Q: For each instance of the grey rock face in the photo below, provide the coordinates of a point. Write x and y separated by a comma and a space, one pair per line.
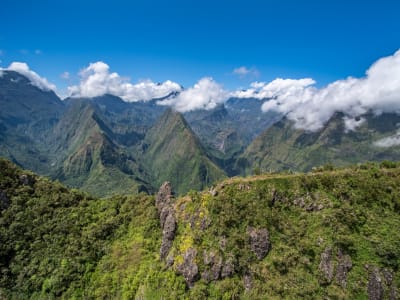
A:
164, 196
168, 235
167, 218
375, 286
344, 266
189, 269
259, 241
326, 265
213, 264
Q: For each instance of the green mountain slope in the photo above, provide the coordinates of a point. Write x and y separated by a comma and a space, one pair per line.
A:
89, 158
171, 151
27, 115
282, 147
327, 234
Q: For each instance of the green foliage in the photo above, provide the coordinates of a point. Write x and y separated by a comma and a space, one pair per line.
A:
60, 243
174, 153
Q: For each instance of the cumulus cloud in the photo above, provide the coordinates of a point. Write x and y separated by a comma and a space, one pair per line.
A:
310, 108
278, 87
65, 75
244, 72
34, 78
205, 94
96, 80
390, 141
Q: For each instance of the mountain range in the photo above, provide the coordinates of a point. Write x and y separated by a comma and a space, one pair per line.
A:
105, 145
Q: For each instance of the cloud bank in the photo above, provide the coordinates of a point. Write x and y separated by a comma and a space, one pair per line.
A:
389, 141
205, 94
96, 80
310, 108
34, 78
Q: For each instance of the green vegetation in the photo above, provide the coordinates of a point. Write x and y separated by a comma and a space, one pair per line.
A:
283, 147
173, 152
60, 243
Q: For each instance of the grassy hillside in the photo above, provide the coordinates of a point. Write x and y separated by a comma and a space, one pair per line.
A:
332, 234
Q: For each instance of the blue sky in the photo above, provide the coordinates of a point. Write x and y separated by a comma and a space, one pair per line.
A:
184, 41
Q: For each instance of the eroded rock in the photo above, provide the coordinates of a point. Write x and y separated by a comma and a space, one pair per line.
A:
343, 267
326, 265
213, 263
375, 286
164, 196
168, 235
167, 218
259, 241
188, 268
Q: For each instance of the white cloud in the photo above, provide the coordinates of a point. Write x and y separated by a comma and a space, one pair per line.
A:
351, 124
1, 52
65, 75
310, 108
205, 94
96, 80
390, 141
38, 51
273, 89
244, 71
34, 78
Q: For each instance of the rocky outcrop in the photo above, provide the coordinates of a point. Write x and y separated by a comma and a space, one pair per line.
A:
228, 269
259, 241
169, 228
343, 267
381, 284
213, 263
26, 179
375, 285
216, 268
188, 268
167, 218
164, 196
4, 201
326, 265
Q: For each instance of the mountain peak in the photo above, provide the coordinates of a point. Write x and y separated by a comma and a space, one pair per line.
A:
173, 153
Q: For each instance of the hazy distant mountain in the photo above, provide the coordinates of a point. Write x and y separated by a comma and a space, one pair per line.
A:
106, 145
282, 147
230, 127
